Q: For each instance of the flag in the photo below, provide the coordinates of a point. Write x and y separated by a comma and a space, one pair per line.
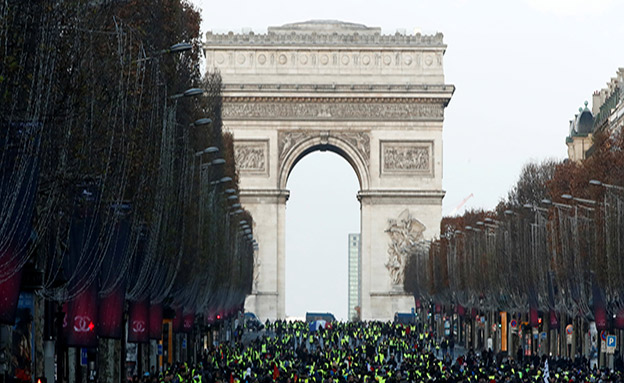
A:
546, 372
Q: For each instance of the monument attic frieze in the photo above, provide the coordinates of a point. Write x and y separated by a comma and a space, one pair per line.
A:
326, 52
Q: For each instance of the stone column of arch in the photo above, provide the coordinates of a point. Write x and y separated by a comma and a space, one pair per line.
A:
377, 100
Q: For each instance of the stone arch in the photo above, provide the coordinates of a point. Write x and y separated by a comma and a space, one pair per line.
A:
355, 149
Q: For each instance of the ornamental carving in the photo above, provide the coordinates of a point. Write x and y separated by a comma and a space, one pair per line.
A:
310, 110
251, 156
359, 141
406, 157
406, 235
287, 140
323, 39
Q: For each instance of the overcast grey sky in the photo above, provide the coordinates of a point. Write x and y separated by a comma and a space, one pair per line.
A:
522, 68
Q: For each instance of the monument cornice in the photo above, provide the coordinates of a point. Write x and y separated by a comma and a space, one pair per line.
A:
380, 195
318, 39
441, 89
277, 195
337, 100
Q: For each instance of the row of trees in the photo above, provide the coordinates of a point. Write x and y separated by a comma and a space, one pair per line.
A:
117, 180
555, 244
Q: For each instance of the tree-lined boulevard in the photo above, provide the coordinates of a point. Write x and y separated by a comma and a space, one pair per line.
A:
126, 253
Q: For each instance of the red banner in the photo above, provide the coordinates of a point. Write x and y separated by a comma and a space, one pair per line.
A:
619, 319
138, 322
600, 315
177, 320
111, 313
473, 312
9, 289
461, 310
554, 320
82, 319
189, 321
155, 321
533, 317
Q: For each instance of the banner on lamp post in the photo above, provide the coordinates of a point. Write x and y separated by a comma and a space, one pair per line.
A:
111, 310
9, 289
178, 320
138, 322
155, 321
82, 315
533, 317
188, 322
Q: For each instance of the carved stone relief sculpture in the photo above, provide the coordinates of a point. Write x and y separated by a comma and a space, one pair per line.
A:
335, 110
405, 233
251, 156
358, 141
407, 157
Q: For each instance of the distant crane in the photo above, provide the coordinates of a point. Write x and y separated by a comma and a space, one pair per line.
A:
461, 204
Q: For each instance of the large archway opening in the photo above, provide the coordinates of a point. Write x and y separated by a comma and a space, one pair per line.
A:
320, 214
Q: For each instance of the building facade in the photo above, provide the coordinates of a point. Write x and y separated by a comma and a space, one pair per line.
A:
606, 114
355, 279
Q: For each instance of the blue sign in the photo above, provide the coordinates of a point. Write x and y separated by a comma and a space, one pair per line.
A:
184, 343
160, 349
83, 357
611, 341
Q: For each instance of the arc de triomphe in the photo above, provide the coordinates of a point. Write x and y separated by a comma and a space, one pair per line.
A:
377, 100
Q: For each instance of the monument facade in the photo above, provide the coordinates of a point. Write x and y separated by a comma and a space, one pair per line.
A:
377, 100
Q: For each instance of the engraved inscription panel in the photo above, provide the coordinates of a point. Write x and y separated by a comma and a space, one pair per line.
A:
251, 156
407, 157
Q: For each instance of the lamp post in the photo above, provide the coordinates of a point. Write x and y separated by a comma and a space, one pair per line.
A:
608, 186
569, 197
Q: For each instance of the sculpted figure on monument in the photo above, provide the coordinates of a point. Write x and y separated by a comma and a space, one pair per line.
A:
405, 232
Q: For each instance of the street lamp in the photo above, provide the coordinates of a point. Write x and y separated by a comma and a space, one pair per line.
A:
179, 47
581, 200
546, 201
175, 48
533, 207
188, 93
609, 186
218, 161
202, 122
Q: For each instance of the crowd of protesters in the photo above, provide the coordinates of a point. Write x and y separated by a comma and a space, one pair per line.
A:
372, 352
